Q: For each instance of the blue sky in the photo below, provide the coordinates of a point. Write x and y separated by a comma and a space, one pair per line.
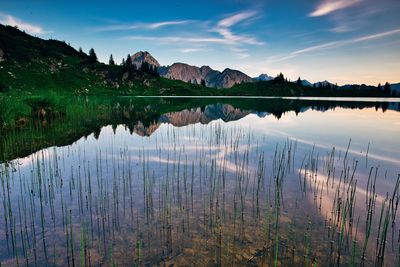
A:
343, 41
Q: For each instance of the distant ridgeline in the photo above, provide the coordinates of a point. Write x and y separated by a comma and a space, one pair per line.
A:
32, 65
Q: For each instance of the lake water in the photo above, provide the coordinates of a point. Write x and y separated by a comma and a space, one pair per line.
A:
222, 182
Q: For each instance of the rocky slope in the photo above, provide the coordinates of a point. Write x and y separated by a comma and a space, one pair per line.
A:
183, 72
229, 78
212, 78
144, 56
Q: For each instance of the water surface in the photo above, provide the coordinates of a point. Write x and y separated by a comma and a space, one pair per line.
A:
226, 182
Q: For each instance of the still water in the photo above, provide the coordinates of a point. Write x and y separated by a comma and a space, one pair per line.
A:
213, 184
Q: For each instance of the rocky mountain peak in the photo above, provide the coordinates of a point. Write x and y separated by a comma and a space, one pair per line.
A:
264, 77
144, 56
183, 72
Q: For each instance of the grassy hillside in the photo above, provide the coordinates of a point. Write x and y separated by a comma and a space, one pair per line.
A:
31, 65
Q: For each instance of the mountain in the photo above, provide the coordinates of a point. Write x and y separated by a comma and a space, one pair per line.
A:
229, 78
395, 87
212, 78
183, 72
306, 83
263, 77
144, 56
323, 84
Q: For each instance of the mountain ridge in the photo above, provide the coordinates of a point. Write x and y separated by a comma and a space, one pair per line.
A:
229, 77
203, 75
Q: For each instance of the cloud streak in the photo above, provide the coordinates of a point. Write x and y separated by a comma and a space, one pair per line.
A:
336, 44
13, 21
234, 19
149, 26
173, 39
329, 6
191, 50
222, 27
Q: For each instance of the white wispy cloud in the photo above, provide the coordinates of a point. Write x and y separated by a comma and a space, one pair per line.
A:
141, 25
182, 40
22, 25
167, 23
240, 52
223, 28
225, 36
236, 18
191, 50
228, 35
335, 44
329, 6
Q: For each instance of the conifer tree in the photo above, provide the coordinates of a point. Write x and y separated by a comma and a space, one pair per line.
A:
386, 88
299, 82
111, 61
92, 56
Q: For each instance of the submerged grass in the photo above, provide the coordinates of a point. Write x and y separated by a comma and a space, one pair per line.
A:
198, 195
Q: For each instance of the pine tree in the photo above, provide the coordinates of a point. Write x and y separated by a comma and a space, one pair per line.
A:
386, 88
123, 62
379, 87
280, 78
299, 82
92, 56
128, 61
145, 67
111, 61
154, 71
203, 82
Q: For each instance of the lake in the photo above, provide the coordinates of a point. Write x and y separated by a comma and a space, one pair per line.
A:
203, 182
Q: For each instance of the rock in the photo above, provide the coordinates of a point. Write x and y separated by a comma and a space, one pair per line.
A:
1, 55
146, 83
53, 68
21, 121
125, 76
126, 115
42, 113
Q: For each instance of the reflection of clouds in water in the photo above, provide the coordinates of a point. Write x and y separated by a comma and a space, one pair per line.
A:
171, 156
327, 201
338, 125
350, 151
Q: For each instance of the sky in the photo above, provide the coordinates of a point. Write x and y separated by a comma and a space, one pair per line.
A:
342, 41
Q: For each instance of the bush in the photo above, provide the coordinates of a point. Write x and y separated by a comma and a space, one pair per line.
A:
3, 88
